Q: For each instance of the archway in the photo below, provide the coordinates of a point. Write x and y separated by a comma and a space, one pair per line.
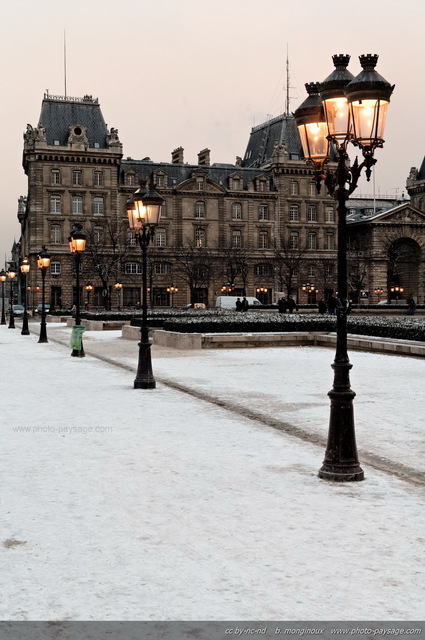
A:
404, 258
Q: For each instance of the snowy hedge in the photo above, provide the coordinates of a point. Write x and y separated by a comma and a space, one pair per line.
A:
401, 328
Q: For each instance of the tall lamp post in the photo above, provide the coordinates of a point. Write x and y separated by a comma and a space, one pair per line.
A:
77, 244
3, 278
43, 263
11, 274
144, 213
25, 269
118, 287
172, 290
340, 110
89, 289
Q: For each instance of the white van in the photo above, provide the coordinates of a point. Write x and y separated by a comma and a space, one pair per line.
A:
229, 302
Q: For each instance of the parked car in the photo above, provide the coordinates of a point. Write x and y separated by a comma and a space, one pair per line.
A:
39, 308
196, 305
18, 310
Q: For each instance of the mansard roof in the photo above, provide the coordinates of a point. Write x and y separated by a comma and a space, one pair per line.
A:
59, 113
178, 173
263, 138
421, 172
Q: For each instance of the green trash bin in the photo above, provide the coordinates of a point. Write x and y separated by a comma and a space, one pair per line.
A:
76, 341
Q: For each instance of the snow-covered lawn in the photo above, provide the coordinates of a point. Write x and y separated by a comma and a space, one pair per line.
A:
123, 504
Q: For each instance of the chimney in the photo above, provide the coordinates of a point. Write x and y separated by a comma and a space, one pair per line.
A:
177, 156
204, 157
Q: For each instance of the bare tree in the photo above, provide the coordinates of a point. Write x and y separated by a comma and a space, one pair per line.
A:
325, 274
358, 268
196, 266
288, 258
107, 248
234, 262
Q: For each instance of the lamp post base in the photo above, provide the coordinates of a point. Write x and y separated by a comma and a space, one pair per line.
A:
144, 377
341, 463
25, 331
144, 383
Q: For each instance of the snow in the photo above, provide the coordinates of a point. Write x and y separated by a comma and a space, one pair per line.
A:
123, 504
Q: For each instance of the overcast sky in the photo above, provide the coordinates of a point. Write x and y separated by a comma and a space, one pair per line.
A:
201, 73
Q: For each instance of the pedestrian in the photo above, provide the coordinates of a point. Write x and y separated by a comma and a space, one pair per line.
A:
281, 305
349, 308
291, 304
332, 305
411, 305
322, 306
245, 304
238, 304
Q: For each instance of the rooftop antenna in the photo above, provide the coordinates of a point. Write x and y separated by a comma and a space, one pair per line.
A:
288, 85
64, 58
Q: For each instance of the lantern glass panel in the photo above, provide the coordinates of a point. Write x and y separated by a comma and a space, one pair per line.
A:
314, 141
369, 118
338, 118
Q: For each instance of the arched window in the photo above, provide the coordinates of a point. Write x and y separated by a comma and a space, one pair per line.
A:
263, 212
330, 240
329, 214
263, 240
312, 240
293, 240
294, 188
294, 213
311, 213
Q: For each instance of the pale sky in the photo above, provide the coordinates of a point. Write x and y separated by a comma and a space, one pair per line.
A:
201, 73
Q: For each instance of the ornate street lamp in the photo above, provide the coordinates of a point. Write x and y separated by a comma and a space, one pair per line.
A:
144, 213
25, 269
172, 290
43, 263
11, 274
354, 110
77, 244
89, 289
3, 278
118, 287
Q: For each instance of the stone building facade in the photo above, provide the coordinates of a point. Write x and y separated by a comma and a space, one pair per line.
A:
257, 226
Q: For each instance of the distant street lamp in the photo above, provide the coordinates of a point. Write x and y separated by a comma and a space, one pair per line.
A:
11, 274
77, 244
25, 269
118, 287
3, 278
144, 213
172, 290
89, 289
378, 292
340, 110
43, 263
396, 290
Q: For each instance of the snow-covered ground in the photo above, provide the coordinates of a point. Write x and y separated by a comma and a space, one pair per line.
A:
123, 504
